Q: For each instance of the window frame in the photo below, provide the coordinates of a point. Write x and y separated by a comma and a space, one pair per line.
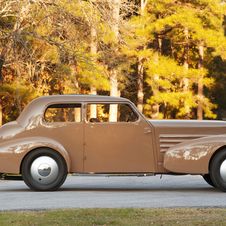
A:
63, 103
102, 103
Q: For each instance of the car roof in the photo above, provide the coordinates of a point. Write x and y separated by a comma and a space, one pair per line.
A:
36, 107
80, 97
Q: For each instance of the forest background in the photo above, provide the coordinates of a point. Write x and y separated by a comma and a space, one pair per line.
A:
166, 56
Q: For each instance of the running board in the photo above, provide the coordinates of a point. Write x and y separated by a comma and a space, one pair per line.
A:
114, 175
5, 176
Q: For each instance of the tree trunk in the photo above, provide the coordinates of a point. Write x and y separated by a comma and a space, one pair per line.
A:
186, 81
155, 106
77, 111
72, 65
93, 107
93, 50
113, 92
140, 93
140, 71
2, 60
115, 7
93, 33
114, 23
200, 83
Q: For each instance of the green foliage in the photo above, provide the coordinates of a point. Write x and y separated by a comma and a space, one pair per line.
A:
47, 51
165, 73
15, 97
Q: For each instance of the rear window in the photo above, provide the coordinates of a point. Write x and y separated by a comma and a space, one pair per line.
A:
63, 113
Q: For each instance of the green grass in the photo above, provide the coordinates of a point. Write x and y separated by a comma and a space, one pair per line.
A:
122, 216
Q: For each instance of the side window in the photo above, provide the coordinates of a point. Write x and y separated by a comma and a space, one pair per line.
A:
63, 113
110, 113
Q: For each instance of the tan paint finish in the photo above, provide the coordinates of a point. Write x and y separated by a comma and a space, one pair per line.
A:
70, 135
118, 147
30, 132
169, 133
193, 157
178, 146
18, 148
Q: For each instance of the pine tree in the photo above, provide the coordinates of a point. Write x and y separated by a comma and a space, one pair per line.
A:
187, 24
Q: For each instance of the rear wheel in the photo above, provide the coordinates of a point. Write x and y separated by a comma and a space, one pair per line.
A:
218, 170
207, 178
44, 170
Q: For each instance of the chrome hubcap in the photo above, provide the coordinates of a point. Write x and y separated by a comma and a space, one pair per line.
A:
223, 170
44, 170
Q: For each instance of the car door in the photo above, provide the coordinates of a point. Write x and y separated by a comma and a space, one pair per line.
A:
117, 139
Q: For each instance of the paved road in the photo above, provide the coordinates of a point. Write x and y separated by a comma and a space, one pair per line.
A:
137, 192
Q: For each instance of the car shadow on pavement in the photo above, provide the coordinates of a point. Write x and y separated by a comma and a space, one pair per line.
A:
159, 189
85, 189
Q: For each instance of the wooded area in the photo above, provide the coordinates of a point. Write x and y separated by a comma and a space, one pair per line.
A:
166, 56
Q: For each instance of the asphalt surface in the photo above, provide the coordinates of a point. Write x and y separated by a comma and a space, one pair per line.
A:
114, 192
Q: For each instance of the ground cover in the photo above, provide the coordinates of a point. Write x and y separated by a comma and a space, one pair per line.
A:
120, 216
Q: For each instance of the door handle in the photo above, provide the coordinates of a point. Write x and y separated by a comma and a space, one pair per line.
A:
149, 131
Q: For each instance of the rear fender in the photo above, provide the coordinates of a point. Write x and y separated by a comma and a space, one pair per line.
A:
13, 152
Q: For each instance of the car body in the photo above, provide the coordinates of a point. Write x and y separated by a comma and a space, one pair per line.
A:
86, 134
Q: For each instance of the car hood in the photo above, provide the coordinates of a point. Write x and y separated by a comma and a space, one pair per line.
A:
169, 133
187, 123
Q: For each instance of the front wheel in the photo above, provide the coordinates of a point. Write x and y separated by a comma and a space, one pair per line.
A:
44, 170
218, 170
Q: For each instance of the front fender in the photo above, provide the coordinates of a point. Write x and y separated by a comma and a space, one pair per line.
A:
12, 152
193, 157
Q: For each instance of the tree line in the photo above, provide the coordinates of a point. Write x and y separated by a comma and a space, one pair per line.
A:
167, 56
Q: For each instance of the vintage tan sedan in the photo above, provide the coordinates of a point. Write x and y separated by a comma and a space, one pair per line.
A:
58, 135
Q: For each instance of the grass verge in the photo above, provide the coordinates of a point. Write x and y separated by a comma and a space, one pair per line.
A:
121, 216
